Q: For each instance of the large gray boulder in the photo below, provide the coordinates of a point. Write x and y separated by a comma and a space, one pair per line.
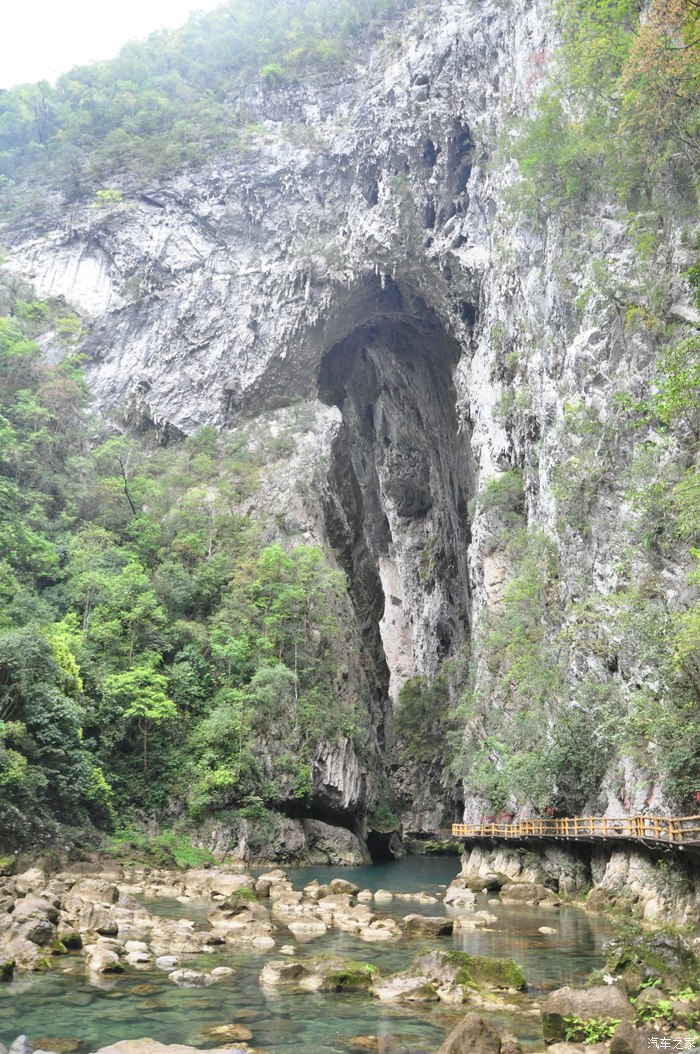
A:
527, 893
606, 1002
631, 1040
473, 1035
427, 926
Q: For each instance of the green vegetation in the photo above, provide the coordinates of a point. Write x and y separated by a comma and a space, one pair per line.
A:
522, 742
153, 649
620, 108
176, 98
532, 734
418, 721
352, 976
446, 848
478, 970
165, 849
646, 959
383, 819
590, 1029
652, 1013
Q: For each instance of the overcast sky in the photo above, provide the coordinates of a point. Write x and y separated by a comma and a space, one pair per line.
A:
44, 38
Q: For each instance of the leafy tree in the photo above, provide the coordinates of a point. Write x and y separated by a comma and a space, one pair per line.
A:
141, 692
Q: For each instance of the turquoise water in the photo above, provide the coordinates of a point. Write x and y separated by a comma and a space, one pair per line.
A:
144, 1003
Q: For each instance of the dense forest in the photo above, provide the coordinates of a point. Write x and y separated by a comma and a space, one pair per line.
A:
153, 647
176, 98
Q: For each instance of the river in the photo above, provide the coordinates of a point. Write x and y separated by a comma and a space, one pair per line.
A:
66, 1005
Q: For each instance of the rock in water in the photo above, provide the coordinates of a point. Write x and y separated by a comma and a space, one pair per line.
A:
605, 1002
474, 1036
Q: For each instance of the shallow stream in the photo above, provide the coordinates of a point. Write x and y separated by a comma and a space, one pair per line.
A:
144, 1003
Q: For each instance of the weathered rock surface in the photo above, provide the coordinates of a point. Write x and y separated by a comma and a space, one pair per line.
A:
473, 1035
601, 1001
527, 893
427, 925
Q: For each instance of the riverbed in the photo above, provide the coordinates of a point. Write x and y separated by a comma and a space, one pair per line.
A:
65, 1004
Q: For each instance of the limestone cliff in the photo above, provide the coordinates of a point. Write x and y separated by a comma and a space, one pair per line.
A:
359, 257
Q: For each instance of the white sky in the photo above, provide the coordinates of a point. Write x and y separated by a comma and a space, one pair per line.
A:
44, 38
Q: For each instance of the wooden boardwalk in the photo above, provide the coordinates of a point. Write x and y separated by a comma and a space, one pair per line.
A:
676, 831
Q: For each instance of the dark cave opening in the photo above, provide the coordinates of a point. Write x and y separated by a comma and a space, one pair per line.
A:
381, 846
400, 481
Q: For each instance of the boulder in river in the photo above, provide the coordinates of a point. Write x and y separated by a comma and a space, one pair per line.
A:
602, 1002
480, 971
427, 926
450, 976
527, 893
191, 978
458, 894
473, 1035
405, 988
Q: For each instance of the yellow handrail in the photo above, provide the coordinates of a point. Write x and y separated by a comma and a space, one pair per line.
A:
674, 829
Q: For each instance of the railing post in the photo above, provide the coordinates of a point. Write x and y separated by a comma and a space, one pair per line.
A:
657, 828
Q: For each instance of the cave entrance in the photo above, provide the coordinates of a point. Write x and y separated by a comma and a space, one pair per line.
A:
400, 480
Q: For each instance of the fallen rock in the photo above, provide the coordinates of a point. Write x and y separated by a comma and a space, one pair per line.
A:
458, 894
191, 978
473, 1035
58, 1044
643, 956
338, 975
103, 958
219, 972
403, 988
527, 893
228, 1033
427, 926
483, 883
97, 891
385, 929
341, 885
630, 1040
464, 923
307, 928
606, 1002
482, 971
280, 972
21, 1046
